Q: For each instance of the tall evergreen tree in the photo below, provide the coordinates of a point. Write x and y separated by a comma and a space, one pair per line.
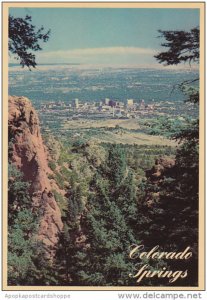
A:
28, 262
172, 220
98, 242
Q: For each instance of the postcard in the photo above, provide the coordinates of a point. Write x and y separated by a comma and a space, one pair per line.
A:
103, 156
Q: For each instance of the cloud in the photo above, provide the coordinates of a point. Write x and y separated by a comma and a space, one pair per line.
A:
96, 54
99, 51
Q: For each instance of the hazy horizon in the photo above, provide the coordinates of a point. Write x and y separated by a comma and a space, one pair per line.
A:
184, 67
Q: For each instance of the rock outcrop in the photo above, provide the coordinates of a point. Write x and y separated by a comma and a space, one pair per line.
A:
30, 155
164, 167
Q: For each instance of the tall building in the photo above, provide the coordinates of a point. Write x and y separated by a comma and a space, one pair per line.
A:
76, 103
130, 102
142, 104
107, 101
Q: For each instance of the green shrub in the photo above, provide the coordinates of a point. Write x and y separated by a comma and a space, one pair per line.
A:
61, 201
52, 165
59, 180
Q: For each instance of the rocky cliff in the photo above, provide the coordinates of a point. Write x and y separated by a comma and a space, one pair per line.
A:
164, 167
29, 154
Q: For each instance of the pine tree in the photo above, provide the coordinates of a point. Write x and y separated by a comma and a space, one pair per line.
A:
97, 247
172, 220
28, 263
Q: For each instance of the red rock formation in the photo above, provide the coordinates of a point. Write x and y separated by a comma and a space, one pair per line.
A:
164, 166
30, 155
161, 167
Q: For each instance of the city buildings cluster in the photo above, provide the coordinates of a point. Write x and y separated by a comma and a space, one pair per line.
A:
117, 109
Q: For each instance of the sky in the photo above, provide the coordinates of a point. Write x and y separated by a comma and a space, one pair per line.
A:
110, 36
